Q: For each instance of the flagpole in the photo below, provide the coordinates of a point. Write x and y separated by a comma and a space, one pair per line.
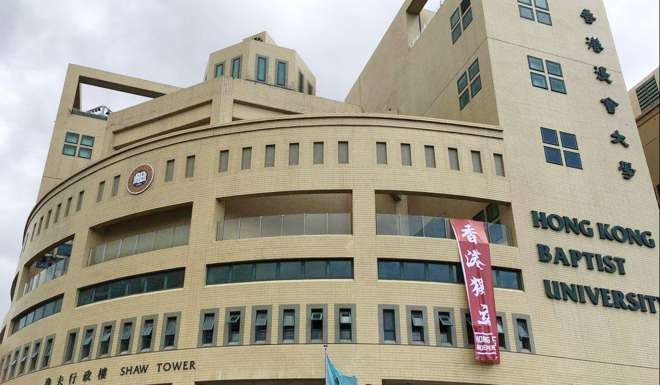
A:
325, 362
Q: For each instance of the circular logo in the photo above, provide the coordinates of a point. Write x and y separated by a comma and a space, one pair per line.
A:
140, 179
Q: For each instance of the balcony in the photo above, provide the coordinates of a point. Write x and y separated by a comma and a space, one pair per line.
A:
287, 225
47, 266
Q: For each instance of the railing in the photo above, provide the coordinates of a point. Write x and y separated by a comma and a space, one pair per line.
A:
431, 227
53, 271
285, 225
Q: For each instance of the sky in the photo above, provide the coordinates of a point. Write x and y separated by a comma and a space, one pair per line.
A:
169, 41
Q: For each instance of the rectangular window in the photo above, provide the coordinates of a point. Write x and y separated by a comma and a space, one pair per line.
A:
318, 152
190, 166
57, 212
104, 341
170, 332
429, 155
315, 268
316, 332
261, 326
70, 346
224, 161
234, 328
288, 326
301, 82
146, 283
538, 11
453, 159
523, 335
469, 332
99, 193
169, 170
406, 156
460, 19
342, 152
84, 152
281, 74
34, 357
554, 154
310, 88
469, 84
269, 160
67, 209
79, 203
208, 329
71, 137
262, 68
345, 320
445, 329
146, 335
24, 356
389, 326
294, 154
87, 140
499, 165
246, 158
48, 215
219, 70
501, 333
381, 153
236, 68
476, 161
115, 185
125, 338
86, 346
549, 76
48, 351
417, 326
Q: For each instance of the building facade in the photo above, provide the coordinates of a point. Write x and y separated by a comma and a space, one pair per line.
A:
226, 232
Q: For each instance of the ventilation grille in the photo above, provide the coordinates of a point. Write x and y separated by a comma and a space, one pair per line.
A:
647, 94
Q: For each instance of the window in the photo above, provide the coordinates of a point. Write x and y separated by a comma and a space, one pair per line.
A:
246, 158
224, 161
389, 325
301, 82
460, 20
342, 152
169, 170
79, 203
71, 141
70, 346
288, 326
529, 8
499, 164
41, 222
310, 88
294, 154
429, 155
476, 161
406, 156
125, 338
34, 356
219, 70
170, 331
99, 193
48, 351
233, 327
446, 332
104, 341
381, 153
554, 77
71, 137
269, 160
468, 332
261, 319
146, 283
67, 209
318, 152
469, 84
208, 328
24, 356
57, 212
86, 346
417, 327
281, 74
37, 312
453, 159
501, 333
554, 154
344, 318
236, 68
50, 212
146, 335
316, 325
115, 185
524, 341
507, 279
190, 166
262, 68
279, 270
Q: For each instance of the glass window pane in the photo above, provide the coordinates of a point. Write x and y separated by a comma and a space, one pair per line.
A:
441, 272
271, 226
219, 69
434, 227
543, 17
262, 64
525, 12
315, 269
174, 279
236, 68
465, 4
552, 155
270, 156
339, 223
554, 68
230, 229
281, 74
381, 153
293, 154
218, 274
85, 297
455, 18
453, 159
572, 159
568, 140
164, 238
118, 289
538, 80
181, 235
71, 137
242, 272
318, 152
543, 4
316, 224
112, 250
549, 136
528, 2
429, 156
557, 85
155, 282
535, 63
136, 285
84, 152
499, 164
69, 150
342, 152
224, 160
290, 270
169, 170
456, 33
509, 279
475, 86
293, 224
476, 161
389, 270
100, 293
145, 242
497, 234
462, 82
190, 166
249, 227
265, 271
406, 156
87, 140
474, 69
414, 271
340, 269
411, 225
467, 18
246, 158
464, 99
387, 224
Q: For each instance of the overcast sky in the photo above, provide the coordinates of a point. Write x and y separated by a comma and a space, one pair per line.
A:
169, 41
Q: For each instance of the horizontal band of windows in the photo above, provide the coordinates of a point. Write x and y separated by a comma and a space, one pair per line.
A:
431, 227
448, 272
280, 270
49, 265
37, 312
146, 283
285, 225
140, 243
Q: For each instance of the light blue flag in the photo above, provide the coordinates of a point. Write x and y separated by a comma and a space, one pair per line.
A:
334, 376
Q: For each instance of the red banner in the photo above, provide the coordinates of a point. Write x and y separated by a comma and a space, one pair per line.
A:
478, 276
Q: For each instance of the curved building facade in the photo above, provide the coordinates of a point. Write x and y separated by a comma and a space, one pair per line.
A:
233, 231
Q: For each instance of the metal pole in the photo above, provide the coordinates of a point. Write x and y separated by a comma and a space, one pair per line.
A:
325, 363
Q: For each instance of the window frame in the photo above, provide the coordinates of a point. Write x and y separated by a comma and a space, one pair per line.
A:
120, 335
221, 66
102, 328
190, 166
227, 326
528, 321
324, 323
296, 324
223, 155
169, 170
269, 324
258, 61
381, 326
200, 329
236, 70
338, 309
285, 73
246, 158
177, 330
152, 338
452, 331
505, 331
90, 354
70, 344
409, 321
269, 155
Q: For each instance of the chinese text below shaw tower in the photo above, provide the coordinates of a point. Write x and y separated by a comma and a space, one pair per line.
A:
478, 210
